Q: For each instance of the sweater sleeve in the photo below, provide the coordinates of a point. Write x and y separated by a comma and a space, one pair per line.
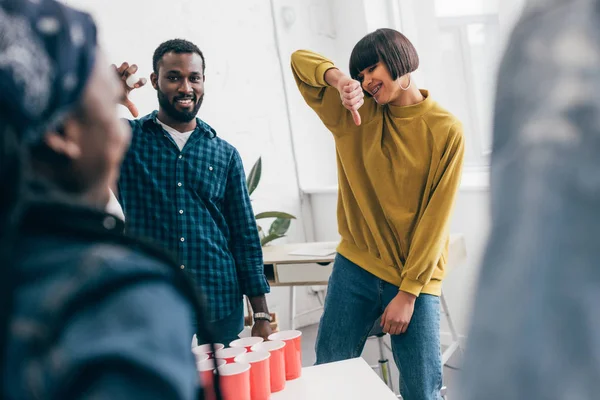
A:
431, 232
309, 70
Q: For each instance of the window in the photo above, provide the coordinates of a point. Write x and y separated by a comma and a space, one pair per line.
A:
468, 52
469, 46
460, 44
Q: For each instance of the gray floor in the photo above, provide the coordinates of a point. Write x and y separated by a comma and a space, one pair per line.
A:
371, 355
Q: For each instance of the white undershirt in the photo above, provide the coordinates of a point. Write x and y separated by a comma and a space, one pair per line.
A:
113, 207
180, 138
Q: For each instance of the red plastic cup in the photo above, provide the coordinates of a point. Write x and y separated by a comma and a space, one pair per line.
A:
247, 342
205, 349
276, 363
201, 357
235, 381
292, 351
206, 370
260, 375
229, 353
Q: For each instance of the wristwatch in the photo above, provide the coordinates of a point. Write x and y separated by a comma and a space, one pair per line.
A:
262, 316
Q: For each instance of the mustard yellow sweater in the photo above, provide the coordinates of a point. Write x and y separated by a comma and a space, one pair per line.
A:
398, 175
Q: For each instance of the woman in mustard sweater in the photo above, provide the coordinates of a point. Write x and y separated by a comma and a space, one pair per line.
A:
399, 157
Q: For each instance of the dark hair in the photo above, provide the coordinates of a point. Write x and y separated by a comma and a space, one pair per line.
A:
387, 45
177, 46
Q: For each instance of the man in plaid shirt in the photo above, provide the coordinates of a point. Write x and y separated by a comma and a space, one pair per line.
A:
185, 189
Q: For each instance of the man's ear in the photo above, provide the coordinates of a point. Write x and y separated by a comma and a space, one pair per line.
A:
66, 142
154, 80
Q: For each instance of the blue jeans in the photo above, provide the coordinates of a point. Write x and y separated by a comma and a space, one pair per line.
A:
226, 330
355, 300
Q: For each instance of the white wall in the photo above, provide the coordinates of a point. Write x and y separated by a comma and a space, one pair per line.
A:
243, 101
307, 24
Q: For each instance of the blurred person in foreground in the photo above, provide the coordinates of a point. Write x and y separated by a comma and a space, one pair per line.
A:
85, 312
536, 325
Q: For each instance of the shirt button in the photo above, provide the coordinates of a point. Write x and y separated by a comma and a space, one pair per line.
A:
180, 156
210, 168
179, 184
109, 223
182, 239
182, 267
180, 211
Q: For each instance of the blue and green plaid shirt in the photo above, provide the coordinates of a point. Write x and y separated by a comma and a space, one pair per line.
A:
195, 204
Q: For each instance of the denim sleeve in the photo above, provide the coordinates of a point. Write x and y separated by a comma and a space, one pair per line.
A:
535, 331
244, 242
134, 345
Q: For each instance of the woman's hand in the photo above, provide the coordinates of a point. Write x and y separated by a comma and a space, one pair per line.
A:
351, 92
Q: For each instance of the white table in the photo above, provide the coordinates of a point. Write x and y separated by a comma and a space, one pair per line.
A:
349, 380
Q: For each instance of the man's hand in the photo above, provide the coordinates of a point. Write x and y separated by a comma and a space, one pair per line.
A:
124, 72
398, 313
261, 329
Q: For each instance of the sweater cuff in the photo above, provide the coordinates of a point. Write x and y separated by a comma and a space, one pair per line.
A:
412, 287
320, 72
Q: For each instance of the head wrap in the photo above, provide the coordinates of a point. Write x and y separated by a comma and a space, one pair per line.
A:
47, 52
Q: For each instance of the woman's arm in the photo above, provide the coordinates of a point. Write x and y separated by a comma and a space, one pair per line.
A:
334, 96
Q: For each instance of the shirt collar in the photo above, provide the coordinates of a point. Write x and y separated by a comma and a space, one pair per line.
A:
151, 121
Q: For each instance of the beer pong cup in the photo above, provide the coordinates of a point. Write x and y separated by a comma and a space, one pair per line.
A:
229, 353
292, 351
206, 370
205, 349
235, 381
247, 342
276, 362
201, 357
260, 378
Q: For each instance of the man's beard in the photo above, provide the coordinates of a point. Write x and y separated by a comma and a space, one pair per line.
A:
169, 108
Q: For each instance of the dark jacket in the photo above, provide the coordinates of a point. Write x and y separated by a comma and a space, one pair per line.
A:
96, 314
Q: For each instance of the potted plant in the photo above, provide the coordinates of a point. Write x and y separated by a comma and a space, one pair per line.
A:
280, 225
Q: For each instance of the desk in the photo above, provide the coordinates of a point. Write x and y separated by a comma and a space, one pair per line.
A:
349, 380
283, 269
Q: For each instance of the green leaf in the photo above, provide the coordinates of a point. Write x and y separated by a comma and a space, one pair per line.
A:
280, 226
270, 238
274, 214
254, 177
261, 233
